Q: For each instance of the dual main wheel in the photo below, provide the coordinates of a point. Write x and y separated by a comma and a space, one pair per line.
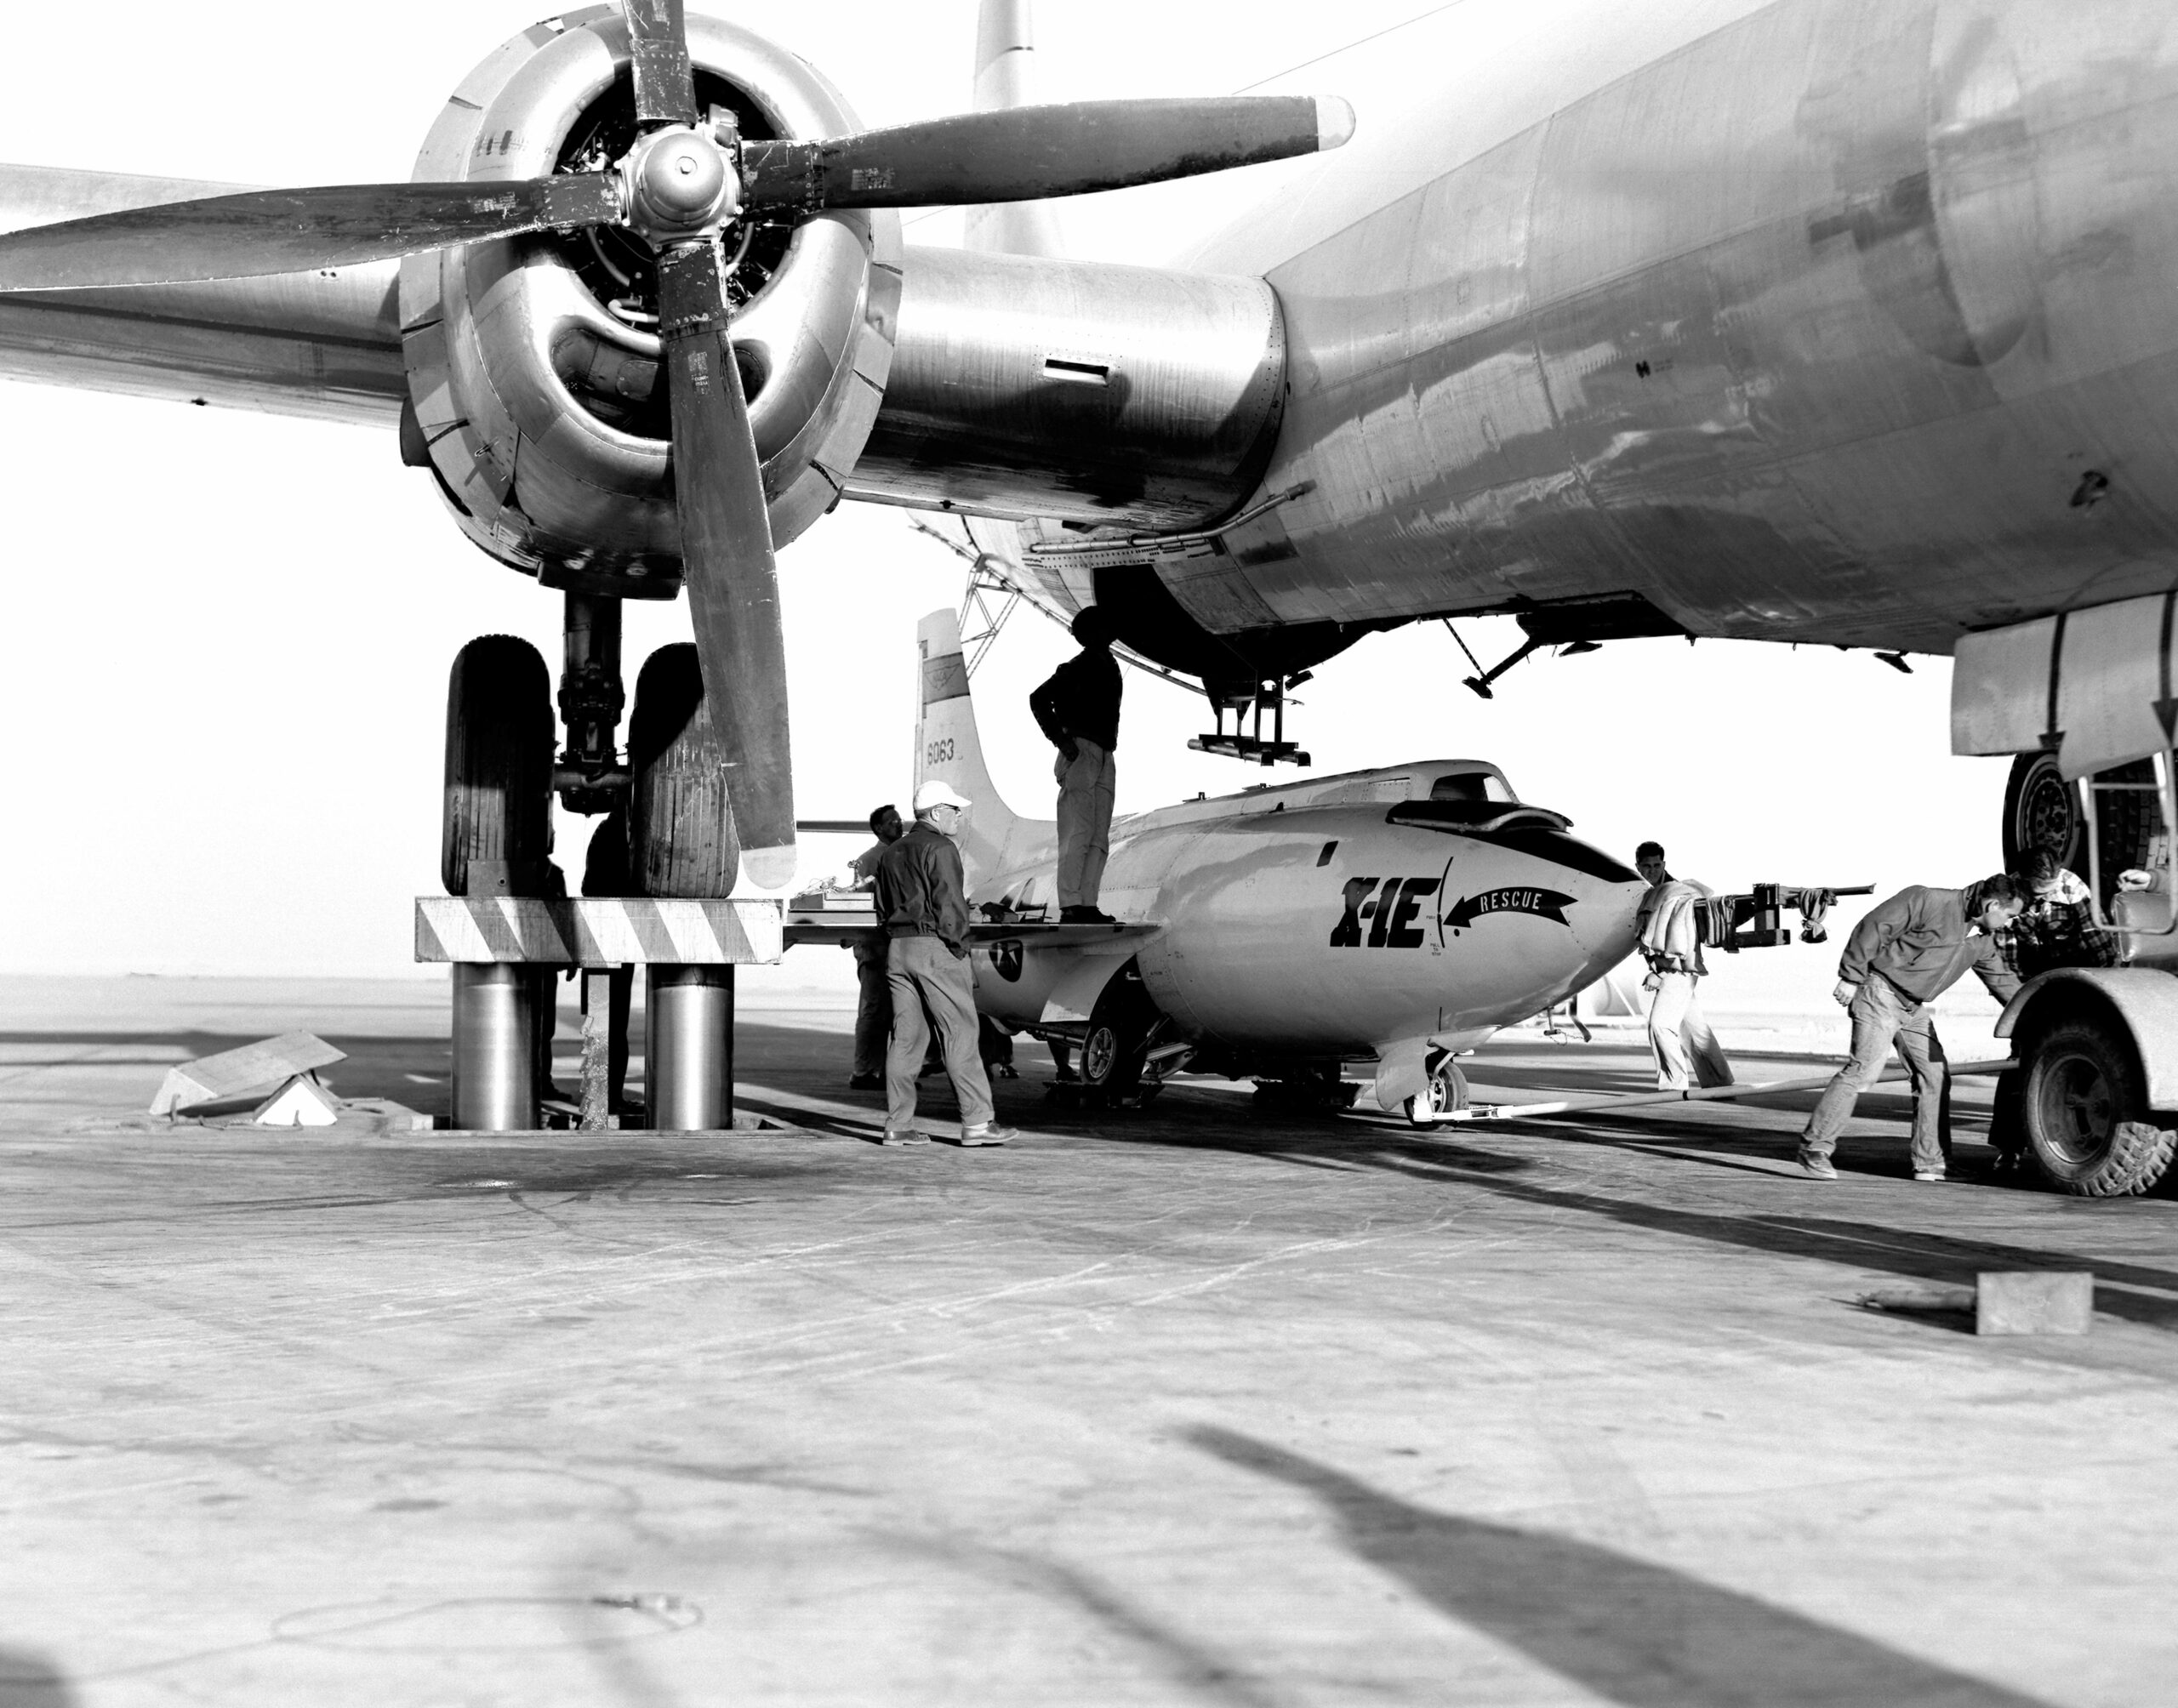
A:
499, 756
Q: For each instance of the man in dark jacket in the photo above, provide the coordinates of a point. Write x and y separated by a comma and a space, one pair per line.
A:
923, 904
873, 1014
1900, 959
1078, 710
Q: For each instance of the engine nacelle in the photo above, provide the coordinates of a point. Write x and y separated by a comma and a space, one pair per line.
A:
533, 363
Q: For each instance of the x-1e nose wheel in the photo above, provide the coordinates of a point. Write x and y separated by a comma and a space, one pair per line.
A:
1445, 1092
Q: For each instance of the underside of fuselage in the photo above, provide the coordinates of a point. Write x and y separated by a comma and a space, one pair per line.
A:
1809, 321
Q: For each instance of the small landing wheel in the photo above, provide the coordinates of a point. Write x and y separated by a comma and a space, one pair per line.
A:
2086, 1114
498, 803
1115, 1047
680, 836
1445, 1093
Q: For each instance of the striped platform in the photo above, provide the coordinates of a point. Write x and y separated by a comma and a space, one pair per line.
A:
598, 931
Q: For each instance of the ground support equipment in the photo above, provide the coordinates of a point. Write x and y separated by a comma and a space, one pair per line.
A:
506, 951
1707, 1093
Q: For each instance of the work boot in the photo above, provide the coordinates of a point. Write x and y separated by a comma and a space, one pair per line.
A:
1929, 1175
867, 1082
903, 1135
1814, 1164
989, 1133
1084, 916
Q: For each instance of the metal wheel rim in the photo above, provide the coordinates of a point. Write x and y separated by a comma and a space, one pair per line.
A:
2047, 813
1100, 1052
2079, 1107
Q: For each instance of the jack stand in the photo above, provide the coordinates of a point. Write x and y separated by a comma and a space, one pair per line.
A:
1269, 695
590, 776
688, 1048
495, 1017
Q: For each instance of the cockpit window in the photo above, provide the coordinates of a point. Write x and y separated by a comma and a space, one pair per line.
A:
1555, 845
1534, 830
1472, 785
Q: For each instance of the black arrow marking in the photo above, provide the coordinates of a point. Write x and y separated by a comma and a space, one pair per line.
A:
1543, 904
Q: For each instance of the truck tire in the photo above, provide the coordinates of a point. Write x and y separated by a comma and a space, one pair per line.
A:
498, 803
2086, 1112
680, 836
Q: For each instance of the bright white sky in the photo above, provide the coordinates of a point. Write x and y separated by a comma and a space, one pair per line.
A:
225, 687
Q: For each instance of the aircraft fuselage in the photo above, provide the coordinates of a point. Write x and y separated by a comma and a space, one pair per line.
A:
1818, 319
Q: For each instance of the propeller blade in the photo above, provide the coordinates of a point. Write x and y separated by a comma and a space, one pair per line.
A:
666, 87
1022, 154
264, 232
725, 557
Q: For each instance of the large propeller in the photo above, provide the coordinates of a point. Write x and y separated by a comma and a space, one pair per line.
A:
683, 184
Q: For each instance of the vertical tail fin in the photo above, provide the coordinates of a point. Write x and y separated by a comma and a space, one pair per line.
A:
1005, 57
949, 750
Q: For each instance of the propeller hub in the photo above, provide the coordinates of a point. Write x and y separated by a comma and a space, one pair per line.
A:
680, 183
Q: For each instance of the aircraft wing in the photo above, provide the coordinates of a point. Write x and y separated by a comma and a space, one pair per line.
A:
816, 923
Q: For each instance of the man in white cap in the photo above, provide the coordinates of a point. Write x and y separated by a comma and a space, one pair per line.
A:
923, 904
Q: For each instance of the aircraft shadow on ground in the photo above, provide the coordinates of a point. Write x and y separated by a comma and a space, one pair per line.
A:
1905, 1249
1636, 1634
1911, 1251
29, 1680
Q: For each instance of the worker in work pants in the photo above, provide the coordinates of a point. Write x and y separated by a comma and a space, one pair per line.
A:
1686, 1050
1085, 823
924, 970
873, 1013
1884, 1014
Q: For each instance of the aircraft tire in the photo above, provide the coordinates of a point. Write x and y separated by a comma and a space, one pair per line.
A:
2086, 1114
2042, 810
681, 841
1114, 1047
1446, 1092
497, 800
1110, 1064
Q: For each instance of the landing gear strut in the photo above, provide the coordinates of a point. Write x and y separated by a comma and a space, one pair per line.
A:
590, 776
501, 774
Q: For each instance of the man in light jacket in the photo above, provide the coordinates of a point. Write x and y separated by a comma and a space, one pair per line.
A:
1900, 959
1686, 1050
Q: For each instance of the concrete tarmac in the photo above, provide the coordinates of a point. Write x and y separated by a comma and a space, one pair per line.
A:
1192, 1405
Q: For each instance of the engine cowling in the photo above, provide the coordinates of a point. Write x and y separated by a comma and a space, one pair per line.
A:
533, 366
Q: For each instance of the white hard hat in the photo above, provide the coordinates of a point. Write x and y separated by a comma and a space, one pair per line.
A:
936, 794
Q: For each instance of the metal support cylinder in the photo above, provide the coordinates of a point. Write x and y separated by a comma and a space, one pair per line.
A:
688, 1048
494, 1048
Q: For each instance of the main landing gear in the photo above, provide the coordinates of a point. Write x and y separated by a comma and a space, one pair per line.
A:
501, 775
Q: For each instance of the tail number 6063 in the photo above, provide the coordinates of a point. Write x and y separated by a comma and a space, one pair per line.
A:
938, 753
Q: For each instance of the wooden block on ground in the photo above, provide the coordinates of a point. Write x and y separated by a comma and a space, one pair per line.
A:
2033, 1301
301, 1102
236, 1073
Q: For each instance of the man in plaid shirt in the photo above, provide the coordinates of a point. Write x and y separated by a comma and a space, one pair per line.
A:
2059, 927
